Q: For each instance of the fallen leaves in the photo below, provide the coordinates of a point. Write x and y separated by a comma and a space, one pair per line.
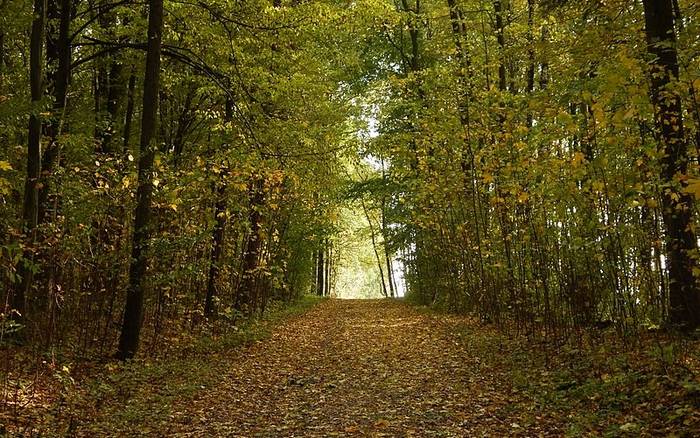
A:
383, 368
357, 368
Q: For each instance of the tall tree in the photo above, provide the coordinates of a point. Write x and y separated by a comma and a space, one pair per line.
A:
246, 299
133, 311
677, 205
320, 277
58, 58
30, 208
219, 190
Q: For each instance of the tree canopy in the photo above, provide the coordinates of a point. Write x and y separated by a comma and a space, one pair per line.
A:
168, 163
173, 170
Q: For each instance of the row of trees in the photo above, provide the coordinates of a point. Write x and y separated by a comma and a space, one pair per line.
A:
528, 160
543, 158
157, 193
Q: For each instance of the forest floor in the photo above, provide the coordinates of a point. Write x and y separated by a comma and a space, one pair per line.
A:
385, 368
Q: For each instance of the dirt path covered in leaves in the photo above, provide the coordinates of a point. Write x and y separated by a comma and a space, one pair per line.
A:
358, 368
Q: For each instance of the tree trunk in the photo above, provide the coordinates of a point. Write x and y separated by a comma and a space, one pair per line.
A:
413, 34
114, 96
58, 51
315, 270
385, 239
246, 299
389, 274
677, 205
329, 271
2, 51
530, 87
129, 116
374, 247
218, 232
217, 243
500, 38
133, 311
320, 280
30, 208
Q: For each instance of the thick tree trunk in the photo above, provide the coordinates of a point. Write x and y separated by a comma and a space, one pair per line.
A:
677, 205
59, 51
30, 210
133, 311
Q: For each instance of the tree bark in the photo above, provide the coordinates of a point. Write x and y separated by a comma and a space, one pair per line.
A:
374, 247
315, 270
217, 244
133, 311
129, 116
58, 51
218, 232
677, 205
30, 210
327, 288
2, 51
114, 98
530, 87
246, 298
385, 238
500, 38
320, 279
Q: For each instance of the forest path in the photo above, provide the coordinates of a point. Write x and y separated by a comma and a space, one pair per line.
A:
358, 368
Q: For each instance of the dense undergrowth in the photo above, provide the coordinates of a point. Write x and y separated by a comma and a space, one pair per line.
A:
595, 383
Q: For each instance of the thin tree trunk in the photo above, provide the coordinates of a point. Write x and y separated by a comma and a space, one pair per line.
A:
133, 311
2, 51
129, 116
218, 232
246, 297
413, 33
320, 280
114, 96
217, 243
315, 271
390, 279
385, 233
374, 247
544, 65
530, 54
500, 38
327, 288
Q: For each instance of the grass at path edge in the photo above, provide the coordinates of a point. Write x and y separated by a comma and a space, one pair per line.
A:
138, 396
590, 386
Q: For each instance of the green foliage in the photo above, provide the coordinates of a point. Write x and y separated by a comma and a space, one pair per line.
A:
538, 202
510, 167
